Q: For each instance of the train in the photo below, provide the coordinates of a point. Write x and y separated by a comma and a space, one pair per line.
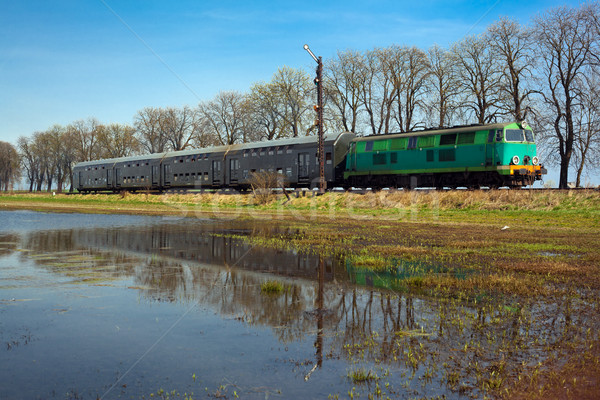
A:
473, 156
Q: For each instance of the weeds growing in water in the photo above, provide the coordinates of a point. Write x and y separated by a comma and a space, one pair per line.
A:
271, 287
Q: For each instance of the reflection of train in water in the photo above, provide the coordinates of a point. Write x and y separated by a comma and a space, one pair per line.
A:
399, 275
209, 244
490, 155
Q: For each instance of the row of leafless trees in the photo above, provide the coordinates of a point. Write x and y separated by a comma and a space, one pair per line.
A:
546, 73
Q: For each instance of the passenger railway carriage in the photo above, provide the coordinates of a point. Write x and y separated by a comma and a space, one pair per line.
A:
491, 155
218, 167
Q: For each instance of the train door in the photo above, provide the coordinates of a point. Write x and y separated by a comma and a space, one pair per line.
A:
216, 170
155, 175
80, 181
109, 178
117, 177
234, 167
303, 167
167, 174
490, 148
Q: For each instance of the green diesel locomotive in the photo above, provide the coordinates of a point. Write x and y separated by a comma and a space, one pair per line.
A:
490, 155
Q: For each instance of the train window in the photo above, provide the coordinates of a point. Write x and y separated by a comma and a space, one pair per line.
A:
288, 172
253, 154
279, 150
426, 141
328, 157
181, 160
529, 136
369, 146
206, 176
499, 135
138, 164
246, 153
245, 174
448, 139
271, 152
262, 152
429, 155
412, 142
380, 145
466, 138
514, 135
288, 150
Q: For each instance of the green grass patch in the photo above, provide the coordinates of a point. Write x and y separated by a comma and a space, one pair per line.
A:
271, 288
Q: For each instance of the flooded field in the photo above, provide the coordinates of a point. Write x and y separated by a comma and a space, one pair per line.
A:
112, 306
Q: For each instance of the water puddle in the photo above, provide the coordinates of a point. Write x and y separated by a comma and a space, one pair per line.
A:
106, 307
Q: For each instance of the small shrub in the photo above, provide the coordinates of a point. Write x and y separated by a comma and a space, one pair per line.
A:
263, 183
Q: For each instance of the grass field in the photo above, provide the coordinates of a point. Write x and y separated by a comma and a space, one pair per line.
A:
522, 255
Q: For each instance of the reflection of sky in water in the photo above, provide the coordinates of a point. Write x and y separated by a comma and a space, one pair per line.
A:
23, 221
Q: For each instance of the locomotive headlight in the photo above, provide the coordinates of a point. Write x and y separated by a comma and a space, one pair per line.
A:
515, 160
535, 160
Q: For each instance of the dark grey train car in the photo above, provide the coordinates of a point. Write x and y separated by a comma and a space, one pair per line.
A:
195, 168
218, 167
296, 159
127, 173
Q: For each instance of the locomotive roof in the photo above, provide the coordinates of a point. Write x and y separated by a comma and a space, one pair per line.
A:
427, 132
219, 149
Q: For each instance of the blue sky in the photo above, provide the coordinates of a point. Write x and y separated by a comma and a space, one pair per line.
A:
61, 61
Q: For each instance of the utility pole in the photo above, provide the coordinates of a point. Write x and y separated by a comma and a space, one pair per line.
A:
319, 122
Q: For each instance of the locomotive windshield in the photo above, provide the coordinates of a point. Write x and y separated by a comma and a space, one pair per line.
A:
518, 135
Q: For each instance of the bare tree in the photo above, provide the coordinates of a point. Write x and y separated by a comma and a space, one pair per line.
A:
513, 44
344, 86
377, 95
9, 166
293, 90
564, 37
265, 112
586, 154
480, 73
117, 140
444, 87
179, 126
150, 134
222, 118
408, 68
85, 135
29, 160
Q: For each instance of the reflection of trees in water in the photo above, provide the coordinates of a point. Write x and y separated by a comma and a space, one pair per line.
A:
59, 252
8, 243
449, 340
